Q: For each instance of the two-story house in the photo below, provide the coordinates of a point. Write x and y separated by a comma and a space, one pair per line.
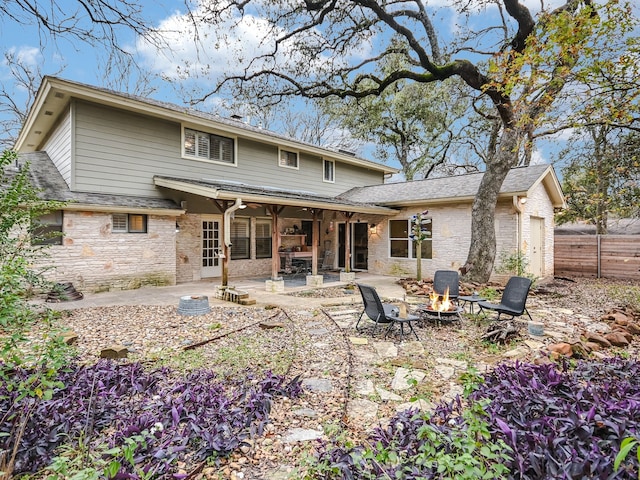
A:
160, 194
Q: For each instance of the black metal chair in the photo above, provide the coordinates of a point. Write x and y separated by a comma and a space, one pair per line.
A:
443, 279
383, 313
514, 299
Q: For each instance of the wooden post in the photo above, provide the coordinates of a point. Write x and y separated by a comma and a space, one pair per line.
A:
222, 206
315, 236
275, 211
347, 240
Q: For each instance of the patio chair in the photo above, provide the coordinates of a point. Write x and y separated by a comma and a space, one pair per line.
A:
447, 278
383, 313
514, 299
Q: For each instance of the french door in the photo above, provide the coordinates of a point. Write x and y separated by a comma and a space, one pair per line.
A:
211, 247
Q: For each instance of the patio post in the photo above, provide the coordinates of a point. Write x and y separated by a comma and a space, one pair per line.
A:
275, 211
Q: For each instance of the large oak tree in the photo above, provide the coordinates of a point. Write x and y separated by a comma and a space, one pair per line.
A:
519, 61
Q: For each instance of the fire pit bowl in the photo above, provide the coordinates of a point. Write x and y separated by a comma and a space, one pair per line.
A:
430, 312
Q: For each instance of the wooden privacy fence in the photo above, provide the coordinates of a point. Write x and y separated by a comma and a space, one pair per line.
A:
608, 256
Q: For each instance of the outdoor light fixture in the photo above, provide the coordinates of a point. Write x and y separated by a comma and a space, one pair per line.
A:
373, 228
177, 228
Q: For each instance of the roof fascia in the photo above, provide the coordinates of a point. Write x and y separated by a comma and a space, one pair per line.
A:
83, 207
110, 99
222, 194
38, 103
552, 186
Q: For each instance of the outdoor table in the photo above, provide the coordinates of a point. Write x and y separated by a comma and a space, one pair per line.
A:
471, 300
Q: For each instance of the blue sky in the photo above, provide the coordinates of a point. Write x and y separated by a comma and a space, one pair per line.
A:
84, 63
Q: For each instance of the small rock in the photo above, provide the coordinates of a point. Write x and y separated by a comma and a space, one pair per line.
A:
386, 349
593, 346
534, 345
305, 412
633, 328
420, 404
365, 387
617, 339
321, 385
386, 395
517, 352
599, 339
271, 325
359, 340
561, 349
301, 435
113, 352
445, 371
70, 338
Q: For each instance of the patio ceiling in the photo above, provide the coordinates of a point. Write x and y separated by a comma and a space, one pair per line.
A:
265, 195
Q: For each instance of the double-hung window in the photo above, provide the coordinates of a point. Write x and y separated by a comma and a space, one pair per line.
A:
263, 238
288, 159
329, 168
128, 223
240, 239
401, 243
209, 146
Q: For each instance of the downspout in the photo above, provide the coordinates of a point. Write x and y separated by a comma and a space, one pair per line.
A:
226, 235
227, 220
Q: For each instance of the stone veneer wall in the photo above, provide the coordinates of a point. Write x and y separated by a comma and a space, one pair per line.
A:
451, 239
95, 259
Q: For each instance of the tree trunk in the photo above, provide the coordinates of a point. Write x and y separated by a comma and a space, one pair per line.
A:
482, 252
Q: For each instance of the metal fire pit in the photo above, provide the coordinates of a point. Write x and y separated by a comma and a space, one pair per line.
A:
448, 315
194, 305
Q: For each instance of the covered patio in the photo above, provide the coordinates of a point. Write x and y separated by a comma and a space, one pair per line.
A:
307, 231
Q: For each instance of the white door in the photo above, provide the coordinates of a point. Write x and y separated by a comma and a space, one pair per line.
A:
536, 265
211, 247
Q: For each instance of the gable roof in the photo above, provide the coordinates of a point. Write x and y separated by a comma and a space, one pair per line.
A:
520, 181
55, 93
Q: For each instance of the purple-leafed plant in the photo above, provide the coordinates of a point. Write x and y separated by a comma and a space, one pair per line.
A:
539, 421
144, 421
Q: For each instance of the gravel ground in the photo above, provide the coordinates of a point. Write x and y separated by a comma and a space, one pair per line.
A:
313, 344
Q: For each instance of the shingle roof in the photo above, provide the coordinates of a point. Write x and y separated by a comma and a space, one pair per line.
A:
46, 178
518, 180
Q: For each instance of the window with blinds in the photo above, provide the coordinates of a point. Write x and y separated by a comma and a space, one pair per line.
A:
209, 146
329, 171
128, 223
263, 238
47, 229
288, 159
240, 239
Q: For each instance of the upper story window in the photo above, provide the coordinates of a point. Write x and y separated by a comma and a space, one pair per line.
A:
128, 223
288, 159
209, 146
329, 168
47, 229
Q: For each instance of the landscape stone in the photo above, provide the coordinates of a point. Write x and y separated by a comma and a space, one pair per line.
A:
271, 325
362, 410
617, 339
534, 344
402, 378
385, 349
452, 362
420, 404
365, 387
70, 338
386, 395
412, 348
455, 390
359, 340
517, 352
319, 385
445, 371
598, 327
561, 349
302, 435
305, 412
318, 331
634, 328
114, 352
596, 338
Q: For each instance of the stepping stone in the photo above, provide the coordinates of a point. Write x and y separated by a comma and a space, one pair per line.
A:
359, 340
385, 349
319, 385
386, 395
454, 391
445, 371
518, 352
365, 387
534, 345
420, 404
402, 380
302, 435
318, 331
271, 325
346, 312
451, 362
362, 410
305, 412
412, 348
